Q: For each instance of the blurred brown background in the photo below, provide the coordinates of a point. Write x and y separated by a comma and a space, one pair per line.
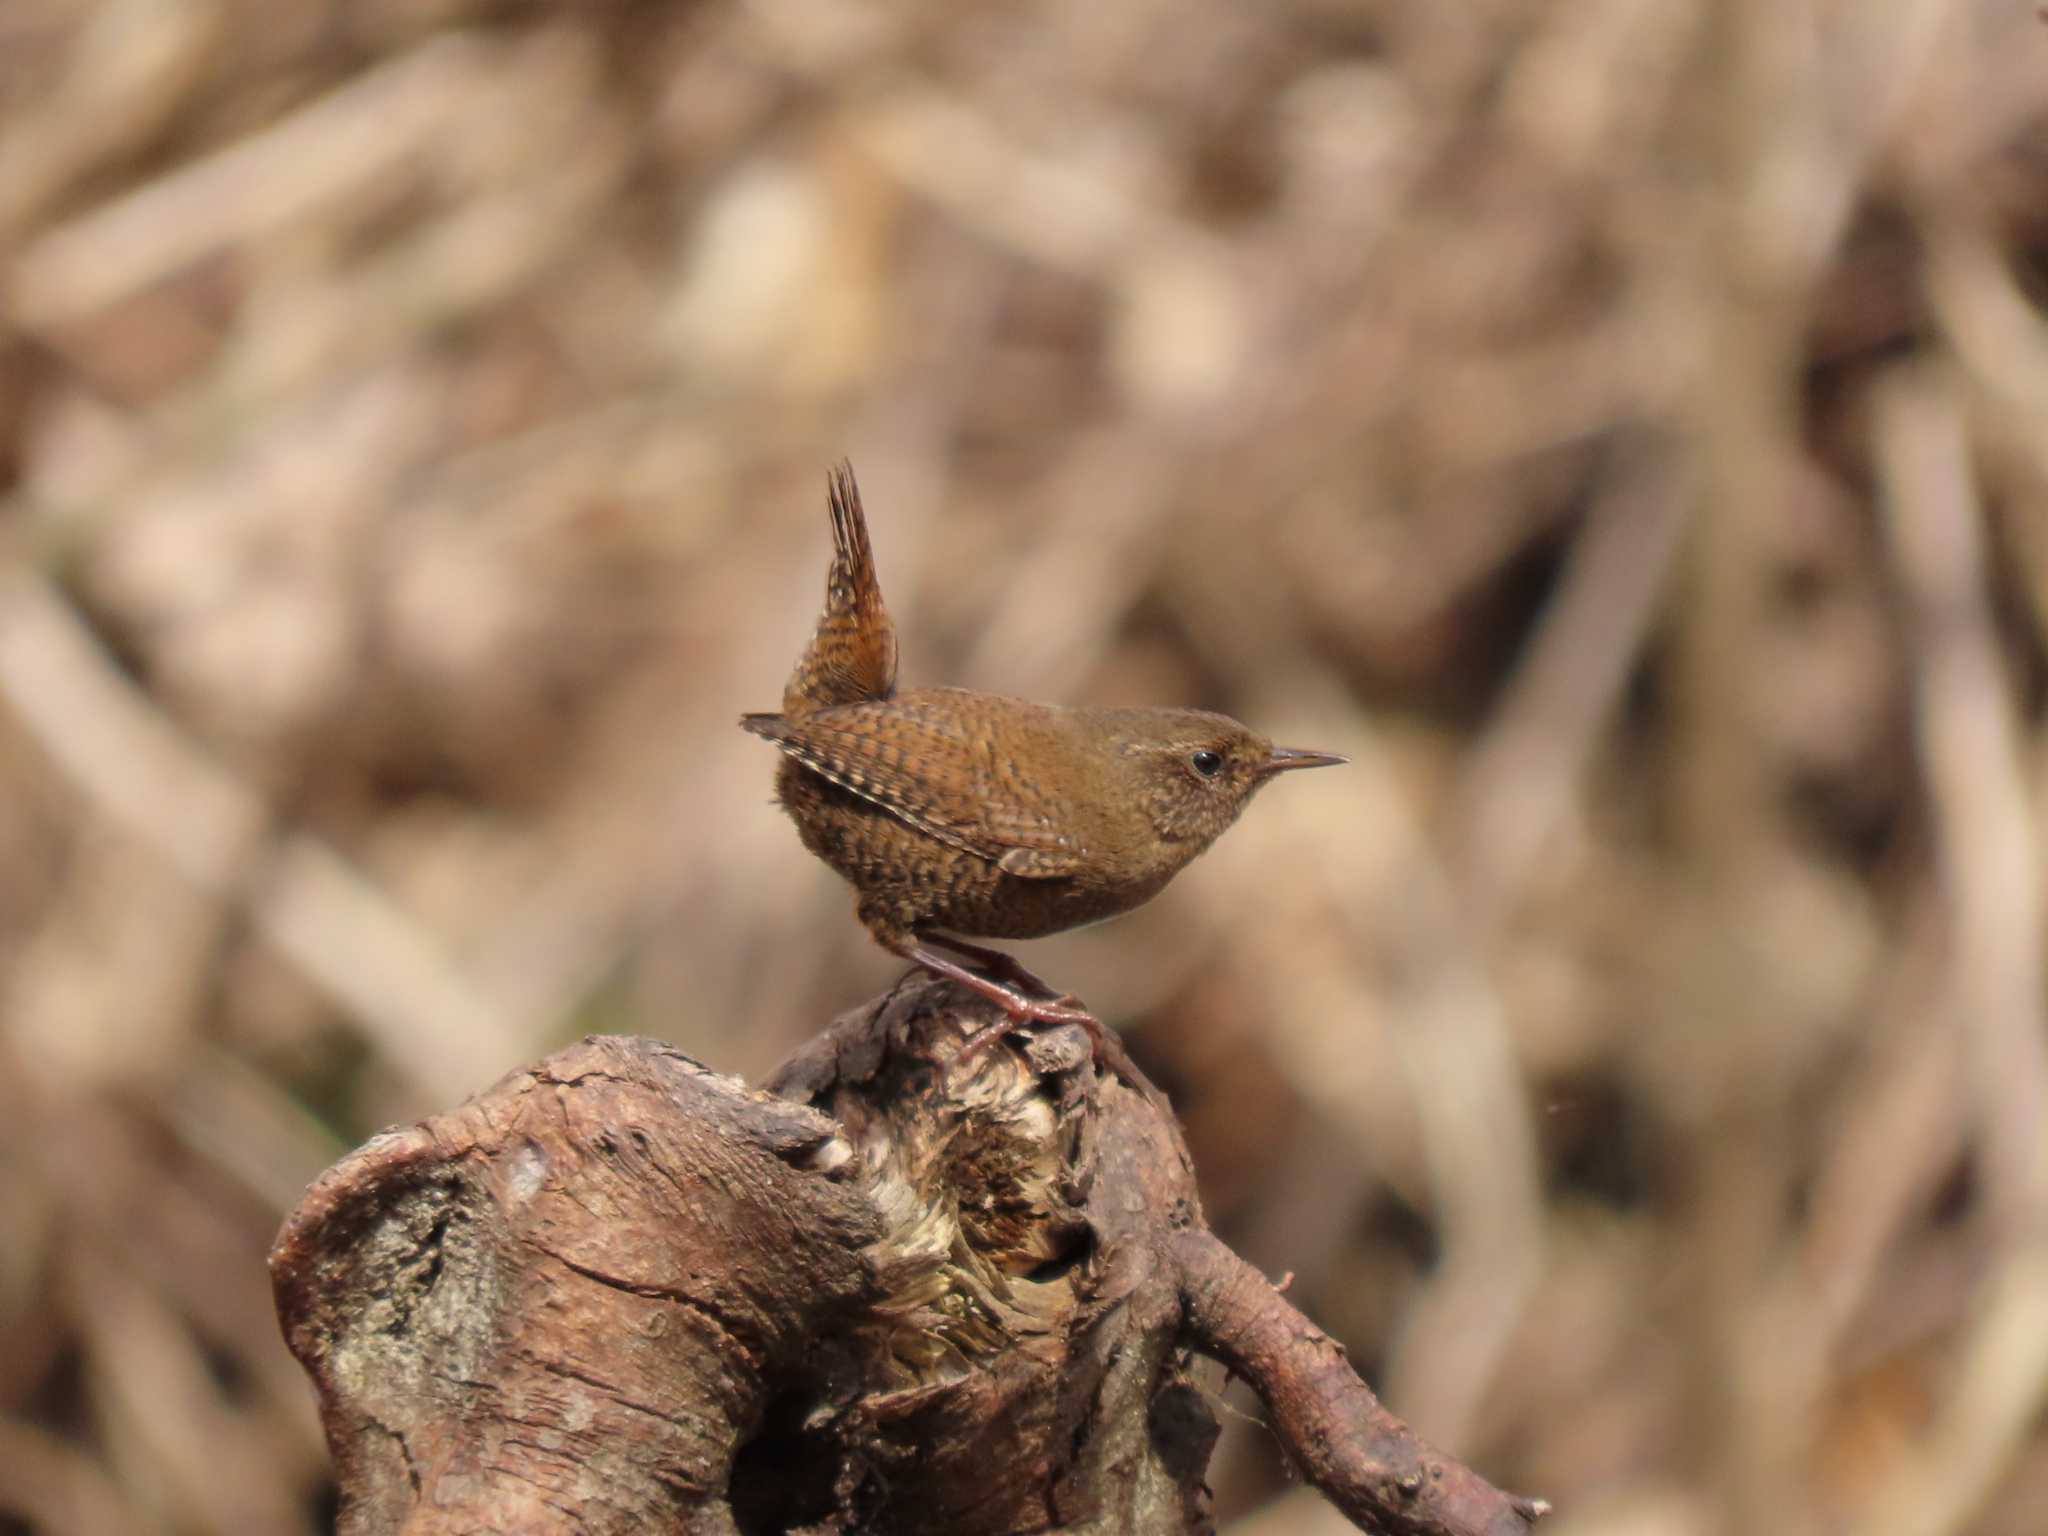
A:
1621, 425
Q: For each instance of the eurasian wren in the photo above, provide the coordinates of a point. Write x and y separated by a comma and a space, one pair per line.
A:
953, 812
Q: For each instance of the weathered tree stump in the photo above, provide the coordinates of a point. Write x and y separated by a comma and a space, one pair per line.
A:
898, 1292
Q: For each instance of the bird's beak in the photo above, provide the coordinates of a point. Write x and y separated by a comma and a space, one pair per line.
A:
1284, 758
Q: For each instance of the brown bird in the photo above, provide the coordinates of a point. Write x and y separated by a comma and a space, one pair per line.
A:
960, 813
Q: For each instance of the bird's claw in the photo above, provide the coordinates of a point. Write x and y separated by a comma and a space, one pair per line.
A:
1021, 1012
1065, 1009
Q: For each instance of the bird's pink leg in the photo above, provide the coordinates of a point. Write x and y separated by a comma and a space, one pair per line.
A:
994, 962
1020, 1008
1107, 1050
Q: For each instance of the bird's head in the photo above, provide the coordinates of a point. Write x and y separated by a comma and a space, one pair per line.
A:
1193, 771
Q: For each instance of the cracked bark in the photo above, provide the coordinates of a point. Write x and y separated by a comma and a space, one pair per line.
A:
898, 1293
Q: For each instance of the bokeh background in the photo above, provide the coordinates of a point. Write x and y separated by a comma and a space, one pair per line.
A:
1621, 425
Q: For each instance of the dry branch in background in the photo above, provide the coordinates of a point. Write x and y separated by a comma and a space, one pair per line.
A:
913, 1294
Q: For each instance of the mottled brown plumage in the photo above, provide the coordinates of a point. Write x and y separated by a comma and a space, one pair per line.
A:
960, 813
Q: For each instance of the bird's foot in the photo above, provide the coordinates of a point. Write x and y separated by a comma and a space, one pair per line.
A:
1031, 1010
1016, 1003
993, 962
1021, 1011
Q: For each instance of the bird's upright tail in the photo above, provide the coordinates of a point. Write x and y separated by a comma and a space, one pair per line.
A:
852, 656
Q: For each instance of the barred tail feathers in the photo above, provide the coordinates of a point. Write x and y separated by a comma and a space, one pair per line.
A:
852, 656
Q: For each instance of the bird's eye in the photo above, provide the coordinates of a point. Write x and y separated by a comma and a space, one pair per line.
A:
1208, 764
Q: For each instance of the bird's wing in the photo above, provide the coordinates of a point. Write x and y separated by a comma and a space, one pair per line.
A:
924, 769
